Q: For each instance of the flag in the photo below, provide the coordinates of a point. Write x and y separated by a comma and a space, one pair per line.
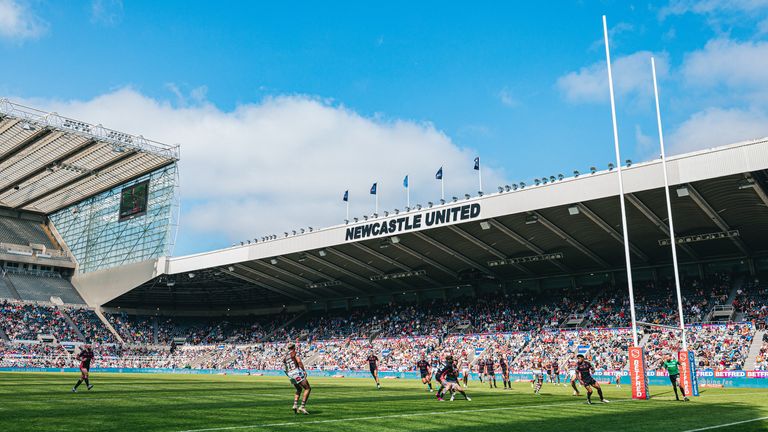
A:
477, 163
346, 195
405, 182
439, 174
373, 189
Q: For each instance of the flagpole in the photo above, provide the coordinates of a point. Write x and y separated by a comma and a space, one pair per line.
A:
408, 193
669, 209
480, 176
442, 187
377, 198
621, 186
347, 208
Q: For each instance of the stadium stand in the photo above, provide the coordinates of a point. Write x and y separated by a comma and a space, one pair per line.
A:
42, 286
23, 232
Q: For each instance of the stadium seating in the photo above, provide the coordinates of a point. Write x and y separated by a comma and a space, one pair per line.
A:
41, 288
23, 232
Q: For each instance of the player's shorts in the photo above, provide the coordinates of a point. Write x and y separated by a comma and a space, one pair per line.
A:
86, 367
424, 374
589, 381
465, 371
296, 375
571, 374
373, 369
673, 378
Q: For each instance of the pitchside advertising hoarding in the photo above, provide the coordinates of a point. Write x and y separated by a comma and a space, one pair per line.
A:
688, 379
637, 373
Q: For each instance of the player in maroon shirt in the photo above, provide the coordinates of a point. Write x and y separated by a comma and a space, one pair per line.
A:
584, 370
373, 365
85, 356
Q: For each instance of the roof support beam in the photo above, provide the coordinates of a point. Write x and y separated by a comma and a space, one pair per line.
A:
429, 261
69, 183
716, 218
570, 240
273, 279
452, 252
318, 273
651, 216
758, 188
351, 274
488, 248
523, 241
359, 263
259, 284
35, 138
85, 146
610, 230
387, 259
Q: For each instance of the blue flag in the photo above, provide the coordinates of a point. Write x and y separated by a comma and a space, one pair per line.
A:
439, 174
346, 195
373, 189
477, 163
405, 182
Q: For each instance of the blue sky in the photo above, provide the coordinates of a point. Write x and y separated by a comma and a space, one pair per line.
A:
280, 107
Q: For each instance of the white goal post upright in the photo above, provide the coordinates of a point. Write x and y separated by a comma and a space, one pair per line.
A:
621, 188
672, 242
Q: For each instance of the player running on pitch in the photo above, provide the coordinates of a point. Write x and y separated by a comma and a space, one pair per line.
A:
584, 370
85, 356
573, 377
555, 372
673, 367
538, 377
373, 365
425, 371
294, 368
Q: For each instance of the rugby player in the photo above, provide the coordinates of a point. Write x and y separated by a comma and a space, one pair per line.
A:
584, 370
538, 376
556, 372
294, 369
505, 372
673, 367
449, 378
490, 371
572, 376
465, 368
481, 369
373, 365
425, 371
85, 356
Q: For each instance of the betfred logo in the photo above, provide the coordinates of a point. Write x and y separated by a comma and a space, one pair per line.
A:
637, 373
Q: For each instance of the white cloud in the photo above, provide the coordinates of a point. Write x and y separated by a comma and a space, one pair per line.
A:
107, 12
631, 77
284, 163
507, 99
18, 22
715, 127
680, 7
736, 65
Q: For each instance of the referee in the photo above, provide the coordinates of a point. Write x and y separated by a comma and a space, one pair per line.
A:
673, 367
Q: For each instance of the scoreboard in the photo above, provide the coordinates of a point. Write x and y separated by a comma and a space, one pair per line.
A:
133, 201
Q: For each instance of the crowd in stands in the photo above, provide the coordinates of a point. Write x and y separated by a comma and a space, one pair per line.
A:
522, 327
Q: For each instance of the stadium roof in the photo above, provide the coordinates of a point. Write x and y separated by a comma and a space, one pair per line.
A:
566, 227
50, 162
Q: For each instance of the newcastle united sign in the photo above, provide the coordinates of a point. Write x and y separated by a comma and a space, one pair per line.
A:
397, 225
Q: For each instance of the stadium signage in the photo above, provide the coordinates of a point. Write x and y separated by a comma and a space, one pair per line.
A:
414, 221
637, 373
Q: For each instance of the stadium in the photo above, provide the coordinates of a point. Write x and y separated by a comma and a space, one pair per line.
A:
527, 272
573, 301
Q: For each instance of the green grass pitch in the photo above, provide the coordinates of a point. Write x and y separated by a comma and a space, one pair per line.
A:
126, 402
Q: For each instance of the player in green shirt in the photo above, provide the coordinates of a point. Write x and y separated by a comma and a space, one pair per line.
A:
673, 367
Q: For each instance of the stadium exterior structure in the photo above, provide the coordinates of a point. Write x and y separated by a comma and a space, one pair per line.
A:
567, 228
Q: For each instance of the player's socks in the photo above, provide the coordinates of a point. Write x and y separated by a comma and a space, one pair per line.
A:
600, 393
589, 397
430, 386
78, 384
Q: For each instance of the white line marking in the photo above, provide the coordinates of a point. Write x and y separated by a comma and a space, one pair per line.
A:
727, 424
416, 414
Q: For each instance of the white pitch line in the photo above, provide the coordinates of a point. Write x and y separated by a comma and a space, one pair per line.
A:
416, 414
727, 424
